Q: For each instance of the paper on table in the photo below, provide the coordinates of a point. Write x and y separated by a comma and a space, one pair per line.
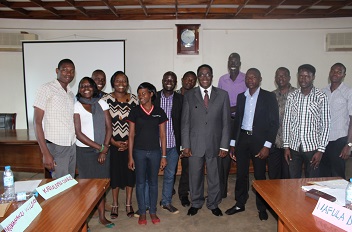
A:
335, 188
338, 193
3, 208
26, 186
313, 186
333, 184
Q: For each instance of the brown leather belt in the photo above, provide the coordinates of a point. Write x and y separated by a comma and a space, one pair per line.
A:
247, 132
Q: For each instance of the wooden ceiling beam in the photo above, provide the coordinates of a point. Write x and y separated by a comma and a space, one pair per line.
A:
111, 8
19, 10
239, 9
173, 9
80, 9
337, 8
143, 7
208, 8
304, 8
50, 9
273, 7
176, 9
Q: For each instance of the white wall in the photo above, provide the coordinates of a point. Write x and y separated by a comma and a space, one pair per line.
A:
151, 49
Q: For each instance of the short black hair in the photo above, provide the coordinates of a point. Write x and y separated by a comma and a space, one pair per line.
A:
98, 71
92, 83
189, 73
255, 70
151, 88
113, 77
170, 73
340, 64
65, 61
285, 69
235, 55
205, 66
308, 67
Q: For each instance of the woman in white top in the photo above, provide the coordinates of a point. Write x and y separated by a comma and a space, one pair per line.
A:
93, 130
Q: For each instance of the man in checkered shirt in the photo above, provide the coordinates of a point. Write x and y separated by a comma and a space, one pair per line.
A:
306, 125
53, 122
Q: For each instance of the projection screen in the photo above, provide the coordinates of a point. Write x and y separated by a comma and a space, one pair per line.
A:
40, 59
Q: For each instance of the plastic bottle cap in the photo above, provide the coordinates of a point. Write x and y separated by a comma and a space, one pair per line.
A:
7, 167
35, 194
350, 179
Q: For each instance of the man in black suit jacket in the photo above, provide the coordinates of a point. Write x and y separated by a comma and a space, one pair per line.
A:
256, 125
171, 103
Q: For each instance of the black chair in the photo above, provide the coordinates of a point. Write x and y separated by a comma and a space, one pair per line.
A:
8, 121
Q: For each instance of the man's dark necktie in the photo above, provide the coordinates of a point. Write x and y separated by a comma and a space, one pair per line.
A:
206, 98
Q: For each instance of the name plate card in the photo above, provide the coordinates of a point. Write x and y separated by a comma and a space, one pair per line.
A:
56, 186
22, 217
334, 214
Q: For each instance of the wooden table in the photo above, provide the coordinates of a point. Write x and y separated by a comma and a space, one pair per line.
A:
293, 208
19, 149
69, 210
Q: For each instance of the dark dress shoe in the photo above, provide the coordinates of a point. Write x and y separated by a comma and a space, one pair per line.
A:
192, 211
185, 202
234, 209
263, 215
216, 212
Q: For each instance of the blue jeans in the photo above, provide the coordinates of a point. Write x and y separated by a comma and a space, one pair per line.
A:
169, 175
146, 194
147, 165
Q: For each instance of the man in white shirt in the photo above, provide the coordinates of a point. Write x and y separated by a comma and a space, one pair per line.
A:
255, 126
53, 122
338, 149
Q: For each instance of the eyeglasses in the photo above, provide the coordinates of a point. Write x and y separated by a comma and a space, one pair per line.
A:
205, 75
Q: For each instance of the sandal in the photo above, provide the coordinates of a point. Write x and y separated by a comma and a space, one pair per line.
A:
108, 225
114, 211
129, 211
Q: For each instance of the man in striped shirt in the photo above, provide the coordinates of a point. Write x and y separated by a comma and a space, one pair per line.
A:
306, 125
171, 103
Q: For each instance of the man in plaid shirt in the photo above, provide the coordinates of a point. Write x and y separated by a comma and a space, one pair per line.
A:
306, 125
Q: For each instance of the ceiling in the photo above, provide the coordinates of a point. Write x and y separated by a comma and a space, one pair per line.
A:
173, 9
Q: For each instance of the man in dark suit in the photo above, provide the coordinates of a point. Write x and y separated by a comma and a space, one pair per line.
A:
256, 125
171, 103
205, 137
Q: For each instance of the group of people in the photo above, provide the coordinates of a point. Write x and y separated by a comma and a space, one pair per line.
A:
129, 138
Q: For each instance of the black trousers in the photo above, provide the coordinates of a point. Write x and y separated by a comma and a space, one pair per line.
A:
331, 164
224, 166
277, 165
247, 149
183, 185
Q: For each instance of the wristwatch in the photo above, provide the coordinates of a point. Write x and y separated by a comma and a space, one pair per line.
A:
349, 144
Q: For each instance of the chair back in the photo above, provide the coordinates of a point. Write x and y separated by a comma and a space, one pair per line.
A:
8, 121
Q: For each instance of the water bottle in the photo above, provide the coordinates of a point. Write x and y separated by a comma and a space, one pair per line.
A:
21, 196
9, 183
349, 195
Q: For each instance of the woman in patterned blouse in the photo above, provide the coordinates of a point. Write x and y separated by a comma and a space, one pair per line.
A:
120, 103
